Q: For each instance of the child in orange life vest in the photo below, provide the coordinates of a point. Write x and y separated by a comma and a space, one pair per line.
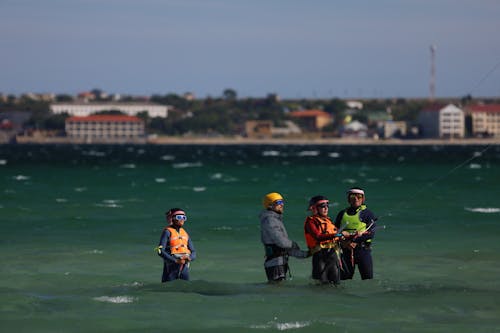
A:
176, 247
322, 240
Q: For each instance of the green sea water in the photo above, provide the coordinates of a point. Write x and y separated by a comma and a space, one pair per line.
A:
79, 225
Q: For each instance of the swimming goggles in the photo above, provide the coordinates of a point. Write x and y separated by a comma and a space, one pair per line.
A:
279, 202
180, 217
356, 195
323, 205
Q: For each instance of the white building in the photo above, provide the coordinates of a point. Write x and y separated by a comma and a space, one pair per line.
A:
354, 105
355, 129
394, 128
131, 109
105, 127
440, 121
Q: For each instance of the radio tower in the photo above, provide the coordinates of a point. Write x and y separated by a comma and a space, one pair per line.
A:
432, 83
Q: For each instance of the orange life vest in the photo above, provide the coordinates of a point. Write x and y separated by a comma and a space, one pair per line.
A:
178, 241
326, 226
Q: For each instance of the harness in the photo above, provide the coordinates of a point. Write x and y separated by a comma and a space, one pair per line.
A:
274, 251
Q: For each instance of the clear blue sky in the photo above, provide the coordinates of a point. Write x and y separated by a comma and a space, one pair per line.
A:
315, 48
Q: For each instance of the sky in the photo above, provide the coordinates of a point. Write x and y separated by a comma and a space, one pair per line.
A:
293, 48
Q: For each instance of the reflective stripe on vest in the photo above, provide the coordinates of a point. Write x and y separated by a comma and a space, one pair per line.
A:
178, 241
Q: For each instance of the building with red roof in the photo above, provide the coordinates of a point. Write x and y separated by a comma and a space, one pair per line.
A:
105, 127
313, 120
485, 119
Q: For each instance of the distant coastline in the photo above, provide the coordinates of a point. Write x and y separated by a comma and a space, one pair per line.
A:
194, 140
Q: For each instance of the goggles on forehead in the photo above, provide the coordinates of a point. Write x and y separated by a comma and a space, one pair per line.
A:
180, 217
279, 202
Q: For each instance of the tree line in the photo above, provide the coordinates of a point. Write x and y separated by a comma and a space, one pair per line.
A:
227, 114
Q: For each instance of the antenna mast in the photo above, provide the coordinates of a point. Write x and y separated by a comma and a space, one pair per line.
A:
432, 83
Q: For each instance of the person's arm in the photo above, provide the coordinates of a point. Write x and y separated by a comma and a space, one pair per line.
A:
163, 248
192, 256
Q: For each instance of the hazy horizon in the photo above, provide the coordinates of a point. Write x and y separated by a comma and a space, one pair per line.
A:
292, 48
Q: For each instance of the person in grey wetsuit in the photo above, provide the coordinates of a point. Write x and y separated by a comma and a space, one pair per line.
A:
274, 236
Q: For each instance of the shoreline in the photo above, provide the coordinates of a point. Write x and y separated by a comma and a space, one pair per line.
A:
329, 141
173, 140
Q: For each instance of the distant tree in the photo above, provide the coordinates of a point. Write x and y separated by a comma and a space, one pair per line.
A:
466, 100
64, 98
144, 115
174, 100
55, 122
335, 106
230, 94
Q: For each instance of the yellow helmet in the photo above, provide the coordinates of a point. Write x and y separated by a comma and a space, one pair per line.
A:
270, 198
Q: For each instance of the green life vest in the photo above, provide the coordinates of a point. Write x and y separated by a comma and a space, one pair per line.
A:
352, 223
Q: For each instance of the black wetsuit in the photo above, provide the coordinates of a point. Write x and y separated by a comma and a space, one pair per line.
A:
361, 255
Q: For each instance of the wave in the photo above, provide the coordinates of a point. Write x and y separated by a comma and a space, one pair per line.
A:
308, 153
187, 165
485, 210
283, 326
222, 228
199, 189
128, 166
95, 251
110, 204
334, 155
94, 153
167, 158
115, 299
271, 153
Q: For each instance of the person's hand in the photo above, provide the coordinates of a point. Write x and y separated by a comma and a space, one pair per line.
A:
180, 261
353, 245
315, 249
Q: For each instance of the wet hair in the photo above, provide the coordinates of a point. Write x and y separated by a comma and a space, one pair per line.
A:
315, 199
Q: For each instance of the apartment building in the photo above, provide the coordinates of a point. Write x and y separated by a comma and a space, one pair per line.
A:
438, 121
105, 127
485, 119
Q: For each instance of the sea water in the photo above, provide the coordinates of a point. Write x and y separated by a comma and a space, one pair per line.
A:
79, 225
